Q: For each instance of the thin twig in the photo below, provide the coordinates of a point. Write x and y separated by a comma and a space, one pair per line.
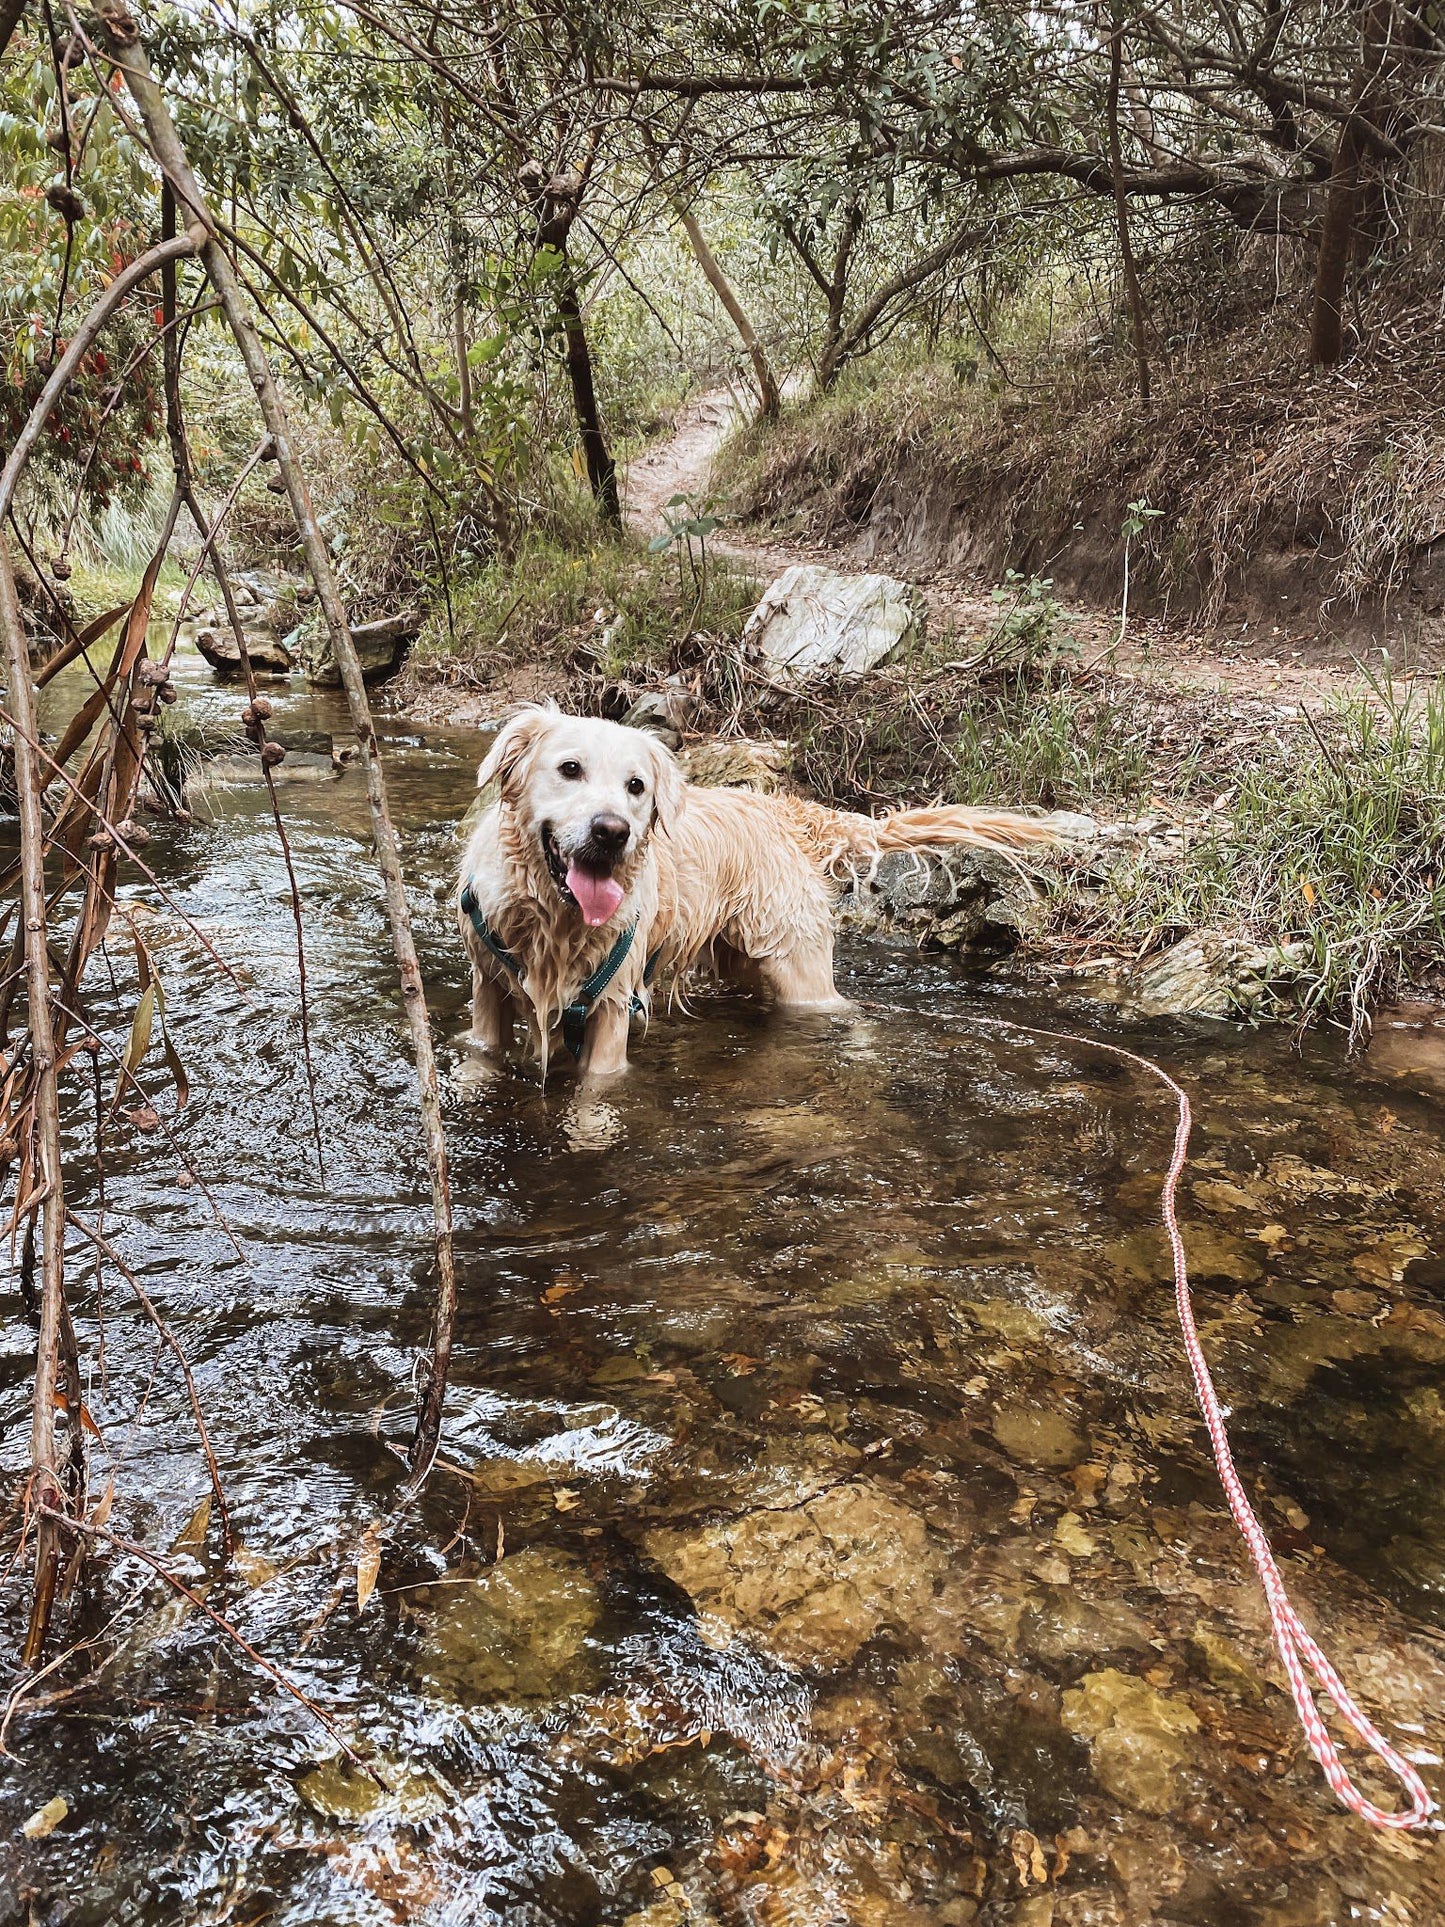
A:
103, 1244
287, 1685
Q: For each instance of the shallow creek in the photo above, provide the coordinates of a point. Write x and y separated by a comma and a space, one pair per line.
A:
825, 1532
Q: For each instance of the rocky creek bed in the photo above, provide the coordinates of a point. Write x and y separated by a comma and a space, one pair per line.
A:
825, 1531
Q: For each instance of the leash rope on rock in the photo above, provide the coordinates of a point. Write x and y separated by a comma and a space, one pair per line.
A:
1297, 1649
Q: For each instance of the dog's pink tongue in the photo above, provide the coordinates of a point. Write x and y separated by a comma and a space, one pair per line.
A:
597, 897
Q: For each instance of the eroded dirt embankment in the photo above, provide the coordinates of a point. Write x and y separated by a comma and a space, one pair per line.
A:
1268, 509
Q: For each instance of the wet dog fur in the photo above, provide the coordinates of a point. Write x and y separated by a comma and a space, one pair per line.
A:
595, 828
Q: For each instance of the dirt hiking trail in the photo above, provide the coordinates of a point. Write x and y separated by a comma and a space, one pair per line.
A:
1225, 660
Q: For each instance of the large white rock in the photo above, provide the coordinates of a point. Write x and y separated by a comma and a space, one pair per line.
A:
814, 619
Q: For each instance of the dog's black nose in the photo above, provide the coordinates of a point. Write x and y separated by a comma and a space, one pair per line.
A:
609, 833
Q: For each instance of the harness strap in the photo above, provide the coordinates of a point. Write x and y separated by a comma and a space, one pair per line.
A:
574, 1015
485, 934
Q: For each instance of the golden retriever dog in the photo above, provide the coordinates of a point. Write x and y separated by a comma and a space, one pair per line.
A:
599, 866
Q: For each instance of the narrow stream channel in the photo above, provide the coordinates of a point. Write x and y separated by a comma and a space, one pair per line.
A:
825, 1531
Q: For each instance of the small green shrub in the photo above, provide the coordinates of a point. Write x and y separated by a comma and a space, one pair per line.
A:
613, 605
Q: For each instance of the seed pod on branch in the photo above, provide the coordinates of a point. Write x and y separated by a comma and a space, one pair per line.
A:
272, 754
66, 202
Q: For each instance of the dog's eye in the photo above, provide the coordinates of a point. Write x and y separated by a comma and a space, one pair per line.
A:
635, 786
572, 771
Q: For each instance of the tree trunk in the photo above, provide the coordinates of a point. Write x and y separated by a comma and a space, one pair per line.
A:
123, 43
48, 1493
1132, 292
1337, 233
769, 395
11, 13
1379, 61
601, 469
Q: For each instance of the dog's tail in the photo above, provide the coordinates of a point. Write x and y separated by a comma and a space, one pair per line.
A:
846, 845
939, 829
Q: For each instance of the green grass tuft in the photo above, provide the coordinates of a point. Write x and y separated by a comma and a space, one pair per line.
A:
1333, 851
613, 605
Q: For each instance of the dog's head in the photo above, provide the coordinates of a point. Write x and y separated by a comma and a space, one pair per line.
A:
585, 796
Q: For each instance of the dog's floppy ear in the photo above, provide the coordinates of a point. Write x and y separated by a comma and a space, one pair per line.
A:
505, 761
669, 787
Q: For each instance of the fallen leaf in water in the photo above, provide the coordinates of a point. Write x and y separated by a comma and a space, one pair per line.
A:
1028, 1857
47, 1818
555, 1293
740, 1364
192, 1535
368, 1565
254, 1567
144, 1118
566, 1498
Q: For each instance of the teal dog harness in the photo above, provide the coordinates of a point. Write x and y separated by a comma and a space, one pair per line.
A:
576, 1013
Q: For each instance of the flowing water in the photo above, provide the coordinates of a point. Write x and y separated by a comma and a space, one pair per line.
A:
824, 1531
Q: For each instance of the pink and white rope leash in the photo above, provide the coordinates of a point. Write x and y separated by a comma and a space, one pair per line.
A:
1297, 1650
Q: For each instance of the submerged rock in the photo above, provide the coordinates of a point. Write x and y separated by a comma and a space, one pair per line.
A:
309, 759
518, 1632
811, 1583
1059, 1625
1039, 1435
340, 1790
1136, 1737
813, 620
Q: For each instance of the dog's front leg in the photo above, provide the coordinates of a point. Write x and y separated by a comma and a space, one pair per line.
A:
491, 1012
604, 1053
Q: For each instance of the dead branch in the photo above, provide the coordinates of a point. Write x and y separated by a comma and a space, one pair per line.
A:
122, 40
45, 1461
